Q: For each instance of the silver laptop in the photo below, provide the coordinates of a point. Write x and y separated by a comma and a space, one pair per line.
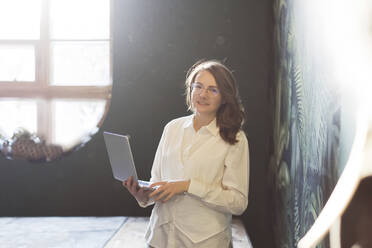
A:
121, 158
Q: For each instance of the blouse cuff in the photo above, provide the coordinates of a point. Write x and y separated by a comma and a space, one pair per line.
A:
142, 204
145, 204
197, 188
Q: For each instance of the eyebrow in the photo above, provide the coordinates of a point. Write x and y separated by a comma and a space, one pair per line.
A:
210, 86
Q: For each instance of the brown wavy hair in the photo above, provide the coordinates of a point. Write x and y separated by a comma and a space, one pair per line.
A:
230, 116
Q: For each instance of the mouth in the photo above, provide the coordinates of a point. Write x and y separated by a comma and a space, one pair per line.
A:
202, 103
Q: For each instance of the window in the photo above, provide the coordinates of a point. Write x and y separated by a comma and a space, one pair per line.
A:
56, 68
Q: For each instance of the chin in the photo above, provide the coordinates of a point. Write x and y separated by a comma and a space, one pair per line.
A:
204, 109
204, 112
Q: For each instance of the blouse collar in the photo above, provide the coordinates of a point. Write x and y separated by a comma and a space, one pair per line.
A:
211, 127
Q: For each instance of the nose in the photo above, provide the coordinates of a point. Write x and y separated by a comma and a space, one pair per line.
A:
204, 93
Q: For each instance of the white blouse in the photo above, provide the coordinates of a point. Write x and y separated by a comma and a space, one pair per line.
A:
219, 180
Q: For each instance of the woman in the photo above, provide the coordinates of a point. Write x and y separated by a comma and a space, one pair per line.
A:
201, 166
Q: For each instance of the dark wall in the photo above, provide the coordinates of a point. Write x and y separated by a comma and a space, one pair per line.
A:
154, 44
356, 221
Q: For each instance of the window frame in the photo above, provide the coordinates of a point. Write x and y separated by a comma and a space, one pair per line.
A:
41, 87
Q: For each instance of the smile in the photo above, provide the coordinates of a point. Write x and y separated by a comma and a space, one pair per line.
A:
203, 103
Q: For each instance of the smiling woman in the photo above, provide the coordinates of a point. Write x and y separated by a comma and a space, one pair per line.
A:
201, 166
53, 65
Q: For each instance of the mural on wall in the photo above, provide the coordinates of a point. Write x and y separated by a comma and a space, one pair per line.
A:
306, 163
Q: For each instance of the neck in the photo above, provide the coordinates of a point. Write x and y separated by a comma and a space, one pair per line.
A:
202, 120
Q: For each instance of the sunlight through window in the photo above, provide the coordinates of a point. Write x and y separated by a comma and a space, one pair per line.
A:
20, 19
17, 63
25, 117
56, 76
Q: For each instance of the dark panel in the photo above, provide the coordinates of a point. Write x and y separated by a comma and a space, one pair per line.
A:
356, 222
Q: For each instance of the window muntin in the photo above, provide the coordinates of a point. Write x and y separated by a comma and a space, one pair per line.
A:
68, 61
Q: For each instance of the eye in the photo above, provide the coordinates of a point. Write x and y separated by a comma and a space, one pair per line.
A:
214, 91
197, 86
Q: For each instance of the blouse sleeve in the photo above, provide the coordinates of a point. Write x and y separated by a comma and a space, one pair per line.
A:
155, 171
232, 195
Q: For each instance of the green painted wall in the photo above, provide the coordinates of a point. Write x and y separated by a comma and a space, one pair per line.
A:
313, 123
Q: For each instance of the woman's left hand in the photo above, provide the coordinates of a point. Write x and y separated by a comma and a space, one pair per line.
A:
168, 189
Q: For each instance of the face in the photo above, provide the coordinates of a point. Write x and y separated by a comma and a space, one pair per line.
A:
204, 99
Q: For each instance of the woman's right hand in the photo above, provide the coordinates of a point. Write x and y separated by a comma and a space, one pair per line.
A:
139, 193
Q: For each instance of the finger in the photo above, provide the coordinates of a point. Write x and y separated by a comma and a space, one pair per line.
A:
156, 184
153, 193
126, 185
147, 192
133, 187
147, 189
162, 195
129, 181
140, 191
168, 197
157, 191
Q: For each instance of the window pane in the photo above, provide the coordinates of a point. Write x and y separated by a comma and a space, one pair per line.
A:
74, 120
80, 63
86, 19
17, 113
20, 19
17, 63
